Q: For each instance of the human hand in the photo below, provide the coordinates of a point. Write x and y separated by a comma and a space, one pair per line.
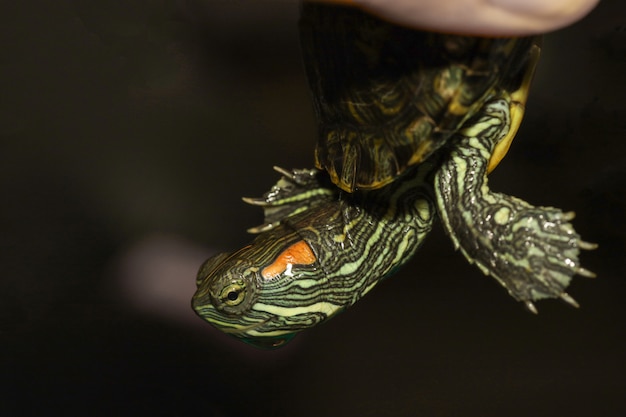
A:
479, 17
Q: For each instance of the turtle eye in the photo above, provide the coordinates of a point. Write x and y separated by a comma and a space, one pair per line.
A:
233, 294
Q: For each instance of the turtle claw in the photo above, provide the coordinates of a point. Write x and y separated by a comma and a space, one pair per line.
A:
587, 245
301, 177
585, 272
569, 299
255, 201
282, 171
262, 228
531, 307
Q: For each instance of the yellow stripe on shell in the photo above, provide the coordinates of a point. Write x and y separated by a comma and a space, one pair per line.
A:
518, 106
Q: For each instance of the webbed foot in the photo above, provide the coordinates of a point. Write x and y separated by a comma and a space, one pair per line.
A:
532, 251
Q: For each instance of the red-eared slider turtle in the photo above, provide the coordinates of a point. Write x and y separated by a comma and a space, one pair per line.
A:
410, 124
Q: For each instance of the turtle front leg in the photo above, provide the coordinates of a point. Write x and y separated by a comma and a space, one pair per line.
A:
532, 251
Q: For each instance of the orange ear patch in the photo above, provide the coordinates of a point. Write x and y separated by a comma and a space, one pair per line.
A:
299, 253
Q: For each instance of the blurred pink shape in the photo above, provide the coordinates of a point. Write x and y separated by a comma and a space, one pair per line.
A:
157, 276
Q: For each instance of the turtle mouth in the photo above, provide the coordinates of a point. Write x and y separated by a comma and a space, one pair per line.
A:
269, 341
240, 331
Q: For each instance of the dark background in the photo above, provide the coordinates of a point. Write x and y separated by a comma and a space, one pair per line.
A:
128, 132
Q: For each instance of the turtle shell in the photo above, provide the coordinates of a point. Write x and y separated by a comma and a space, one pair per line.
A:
387, 96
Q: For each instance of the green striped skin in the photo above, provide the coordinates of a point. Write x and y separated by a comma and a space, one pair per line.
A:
531, 251
357, 240
387, 97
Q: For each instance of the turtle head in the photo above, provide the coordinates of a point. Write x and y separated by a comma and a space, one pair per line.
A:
261, 293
